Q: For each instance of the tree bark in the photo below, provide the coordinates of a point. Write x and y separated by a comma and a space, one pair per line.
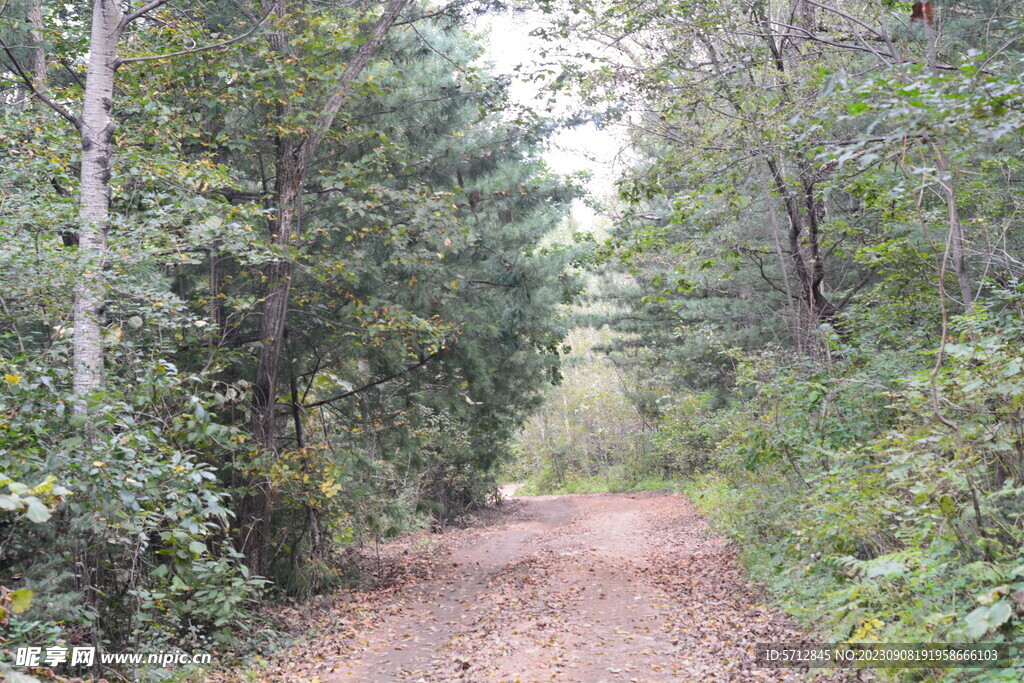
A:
294, 156
956, 229
96, 128
37, 63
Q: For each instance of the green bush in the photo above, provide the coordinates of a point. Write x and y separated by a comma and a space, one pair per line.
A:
881, 497
138, 545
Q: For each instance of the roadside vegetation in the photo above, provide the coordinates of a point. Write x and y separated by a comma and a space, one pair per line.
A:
814, 304
262, 307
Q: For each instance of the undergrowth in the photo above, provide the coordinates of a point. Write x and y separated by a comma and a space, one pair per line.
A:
605, 482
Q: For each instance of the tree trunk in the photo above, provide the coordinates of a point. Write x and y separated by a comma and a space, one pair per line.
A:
37, 63
294, 156
275, 308
804, 241
956, 229
96, 128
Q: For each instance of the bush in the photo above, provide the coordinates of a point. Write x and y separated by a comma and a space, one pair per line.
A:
884, 497
137, 549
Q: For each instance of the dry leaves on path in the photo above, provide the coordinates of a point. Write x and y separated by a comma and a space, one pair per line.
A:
625, 587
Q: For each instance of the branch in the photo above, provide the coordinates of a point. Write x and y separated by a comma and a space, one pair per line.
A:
848, 17
42, 97
860, 286
142, 11
430, 15
764, 276
809, 35
64, 62
380, 381
434, 49
346, 84
861, 141
244, 10
489, 282
205, 48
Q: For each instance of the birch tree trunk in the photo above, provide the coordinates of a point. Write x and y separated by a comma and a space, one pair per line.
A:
96, 127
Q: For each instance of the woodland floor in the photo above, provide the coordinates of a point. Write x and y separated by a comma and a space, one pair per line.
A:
605, 587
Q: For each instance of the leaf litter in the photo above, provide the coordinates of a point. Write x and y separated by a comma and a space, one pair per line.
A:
601, 587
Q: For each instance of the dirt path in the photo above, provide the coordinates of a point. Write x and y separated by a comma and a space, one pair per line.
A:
576, 588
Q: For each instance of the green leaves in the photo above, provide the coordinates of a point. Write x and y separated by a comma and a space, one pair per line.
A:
987, 618
36, 511
31, 501
886, 567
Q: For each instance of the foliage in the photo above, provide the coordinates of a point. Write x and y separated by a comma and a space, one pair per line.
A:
879, 520
421, 315
813, 273
590, 434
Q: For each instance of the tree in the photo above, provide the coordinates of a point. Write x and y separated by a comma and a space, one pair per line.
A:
417, 300
295, 153
96, 127
815, 260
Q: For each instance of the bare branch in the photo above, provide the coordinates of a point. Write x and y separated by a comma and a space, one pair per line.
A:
848, 17
811, 36
375, 383
67, 67
142, 11
36, 93
205, 48
860, 285
754, 257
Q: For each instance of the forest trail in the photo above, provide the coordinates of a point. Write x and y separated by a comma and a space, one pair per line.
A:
604, 587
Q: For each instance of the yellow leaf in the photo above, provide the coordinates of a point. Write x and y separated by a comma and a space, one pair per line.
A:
12, 379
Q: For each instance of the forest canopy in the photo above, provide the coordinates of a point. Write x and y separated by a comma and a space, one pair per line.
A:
814, 280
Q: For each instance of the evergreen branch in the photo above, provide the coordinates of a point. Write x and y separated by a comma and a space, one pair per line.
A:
493, 284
